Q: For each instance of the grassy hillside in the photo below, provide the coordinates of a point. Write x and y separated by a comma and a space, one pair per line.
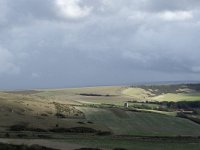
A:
141, 123
181, 92
154, 111
113, 144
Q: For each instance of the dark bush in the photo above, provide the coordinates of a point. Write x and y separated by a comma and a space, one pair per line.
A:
44, 115
90, 122
21, 135
104, 133
21, 127
90, 94
23, 147
74, 130
59, 115
88, 149
7, 135
44, 136
36, 129
80, 122
18, 127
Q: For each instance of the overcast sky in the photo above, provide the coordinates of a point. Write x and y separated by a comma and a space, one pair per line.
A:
71, 43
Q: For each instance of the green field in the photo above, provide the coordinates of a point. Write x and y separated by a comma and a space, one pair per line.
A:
106, 143
141, 123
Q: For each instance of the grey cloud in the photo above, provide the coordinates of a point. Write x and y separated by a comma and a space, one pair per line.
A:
7, 62
118, 42
174, 5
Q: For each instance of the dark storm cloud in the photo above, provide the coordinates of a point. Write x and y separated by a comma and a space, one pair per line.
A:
55, 43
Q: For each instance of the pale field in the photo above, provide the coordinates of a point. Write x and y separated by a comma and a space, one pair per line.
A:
178, 97
142, 95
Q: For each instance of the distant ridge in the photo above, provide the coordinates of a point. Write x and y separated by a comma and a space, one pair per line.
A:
101, 85
166, 82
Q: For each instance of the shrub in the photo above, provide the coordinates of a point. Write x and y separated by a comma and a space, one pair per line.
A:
59, 115
18, 127
74, 130
104, 133
23, 147
21, 127
88, 149
7, 135
80, 122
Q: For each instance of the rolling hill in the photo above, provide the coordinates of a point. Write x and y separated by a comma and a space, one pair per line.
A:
155, 111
